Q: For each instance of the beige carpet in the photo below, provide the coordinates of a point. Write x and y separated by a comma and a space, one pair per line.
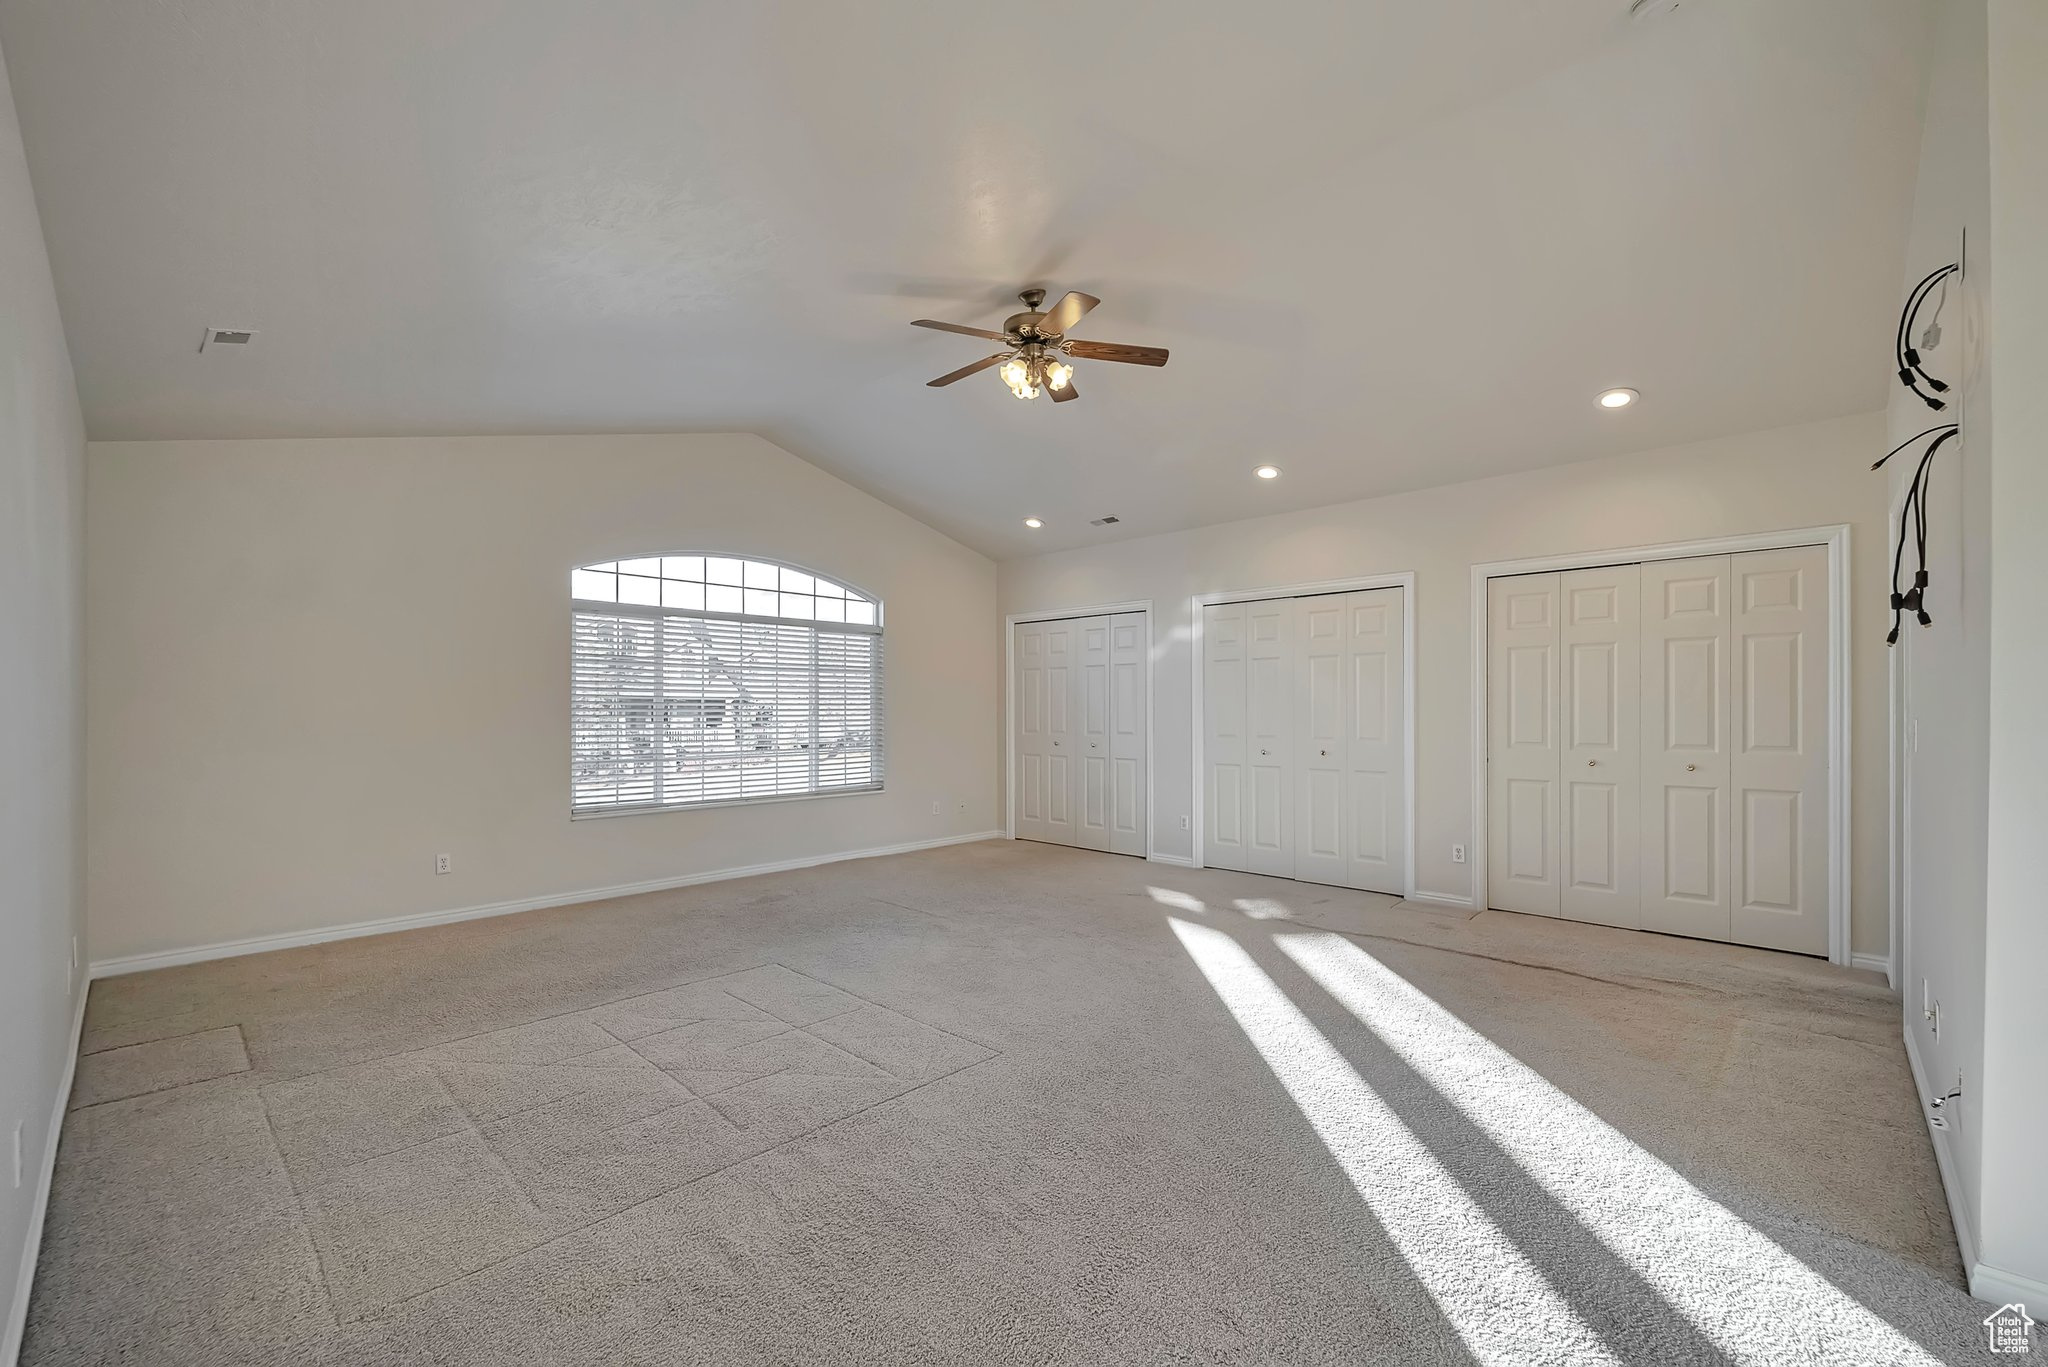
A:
999, 1103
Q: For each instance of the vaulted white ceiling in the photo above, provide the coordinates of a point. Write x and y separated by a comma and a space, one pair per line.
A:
1390, 244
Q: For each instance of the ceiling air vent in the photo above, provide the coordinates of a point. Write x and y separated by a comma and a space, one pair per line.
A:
227, 337
1109, 521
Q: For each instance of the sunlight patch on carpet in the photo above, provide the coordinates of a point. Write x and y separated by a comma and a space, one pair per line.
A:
1751, 1298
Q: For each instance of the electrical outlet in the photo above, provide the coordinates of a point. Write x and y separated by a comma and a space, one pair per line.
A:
17, 1155
1457, 854
74, 958
444, 863
935, 809
1183, 823
1934, 1020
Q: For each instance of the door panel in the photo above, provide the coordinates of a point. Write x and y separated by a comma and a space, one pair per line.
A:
1091, 748
1224, 749
1522, 744
1031, 743
1685, 756
1269, 736
1079, 693
1600, 755
1045, 715
1319, 750
1778, 871
1376, 743
1129, 644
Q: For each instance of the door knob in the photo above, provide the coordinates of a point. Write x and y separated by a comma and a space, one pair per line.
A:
1091, 745
1323, 752
1055, 745
1262, 752
1689, 768
1592, 764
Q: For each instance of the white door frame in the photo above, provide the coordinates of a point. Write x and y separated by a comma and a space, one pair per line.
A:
1010, 624
1404, 581
1836, 539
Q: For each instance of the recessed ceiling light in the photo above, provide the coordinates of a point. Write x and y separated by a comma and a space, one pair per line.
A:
1033, 522
1618, 398
1267, 472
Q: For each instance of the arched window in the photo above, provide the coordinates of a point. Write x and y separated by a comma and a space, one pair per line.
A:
700, 679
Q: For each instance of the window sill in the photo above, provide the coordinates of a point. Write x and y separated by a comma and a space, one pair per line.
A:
606, 813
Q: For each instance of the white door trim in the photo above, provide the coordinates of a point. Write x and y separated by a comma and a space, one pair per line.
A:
1404, 581
1010, 623
1836, 539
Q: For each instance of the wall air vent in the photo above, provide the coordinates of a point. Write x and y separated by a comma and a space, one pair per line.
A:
1109, 521
226, 337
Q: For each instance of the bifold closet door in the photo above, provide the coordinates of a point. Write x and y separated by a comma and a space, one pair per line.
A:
1376, 709
1321, 660
1129, 645
1599, 745
1269, 737
1045, 726
1091, 741
1224, 748
1080, 742
1304, 743
1778, 736
1685, 746
1248, 720
1522, 745
1350, 748
1657, 746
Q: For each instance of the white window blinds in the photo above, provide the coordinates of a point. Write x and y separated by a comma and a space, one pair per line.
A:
705, 679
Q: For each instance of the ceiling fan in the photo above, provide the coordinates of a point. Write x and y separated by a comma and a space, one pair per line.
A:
1034, 343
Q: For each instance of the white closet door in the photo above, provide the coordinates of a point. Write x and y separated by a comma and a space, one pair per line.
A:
1686, 618
1225, 780
1376, 748
1522, 748
1778, 875
1032, 746
1600, 754
1091, 733
1044, 695
1321, 661
1269, 737
1128, 645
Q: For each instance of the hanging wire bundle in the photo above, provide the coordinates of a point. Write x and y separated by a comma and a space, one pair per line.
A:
1913, 512
1913, 515
1911, 374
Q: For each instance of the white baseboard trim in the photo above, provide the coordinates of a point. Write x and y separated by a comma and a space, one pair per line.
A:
32, 1245
1995, 1284
1439, 899
261, 944
1177, 860
1876, 963
1944, 1160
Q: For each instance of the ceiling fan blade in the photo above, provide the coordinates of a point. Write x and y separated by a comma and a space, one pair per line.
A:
1064, 392
1061, 317
964, 371
960, 328
1116, 351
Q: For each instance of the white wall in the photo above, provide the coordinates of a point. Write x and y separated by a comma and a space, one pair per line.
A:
2014, 1233
1790, 477
42, 459
1943, 668
314, 664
